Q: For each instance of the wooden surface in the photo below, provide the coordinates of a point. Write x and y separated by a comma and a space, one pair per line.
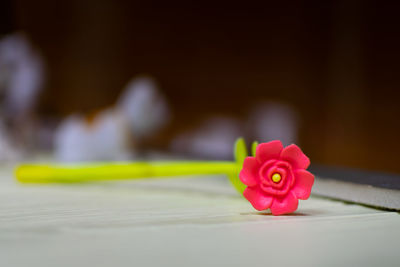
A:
183, 222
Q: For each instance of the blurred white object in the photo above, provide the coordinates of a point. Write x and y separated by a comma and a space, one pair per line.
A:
141, 111
8, 152
106, 138
144, 107
274, 120
212, 139
21, 74
21, 79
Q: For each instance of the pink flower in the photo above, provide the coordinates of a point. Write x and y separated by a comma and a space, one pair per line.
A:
276, 177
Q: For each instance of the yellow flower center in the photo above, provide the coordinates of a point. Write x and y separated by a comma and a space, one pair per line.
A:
276, 177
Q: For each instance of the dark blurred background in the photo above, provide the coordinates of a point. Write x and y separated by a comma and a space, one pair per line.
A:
335, 62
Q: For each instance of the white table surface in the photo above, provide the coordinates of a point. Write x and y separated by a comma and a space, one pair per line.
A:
183, 222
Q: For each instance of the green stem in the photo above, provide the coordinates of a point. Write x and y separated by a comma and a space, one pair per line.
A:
118, 171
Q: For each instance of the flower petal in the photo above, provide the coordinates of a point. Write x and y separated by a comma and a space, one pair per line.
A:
270, 150
257, 198
304, 181
249, 173
284, 205
295, 156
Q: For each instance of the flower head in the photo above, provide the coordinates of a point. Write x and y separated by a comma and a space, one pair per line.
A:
276, 177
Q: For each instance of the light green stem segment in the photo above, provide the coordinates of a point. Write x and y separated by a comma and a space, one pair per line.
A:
39, 173
118, 171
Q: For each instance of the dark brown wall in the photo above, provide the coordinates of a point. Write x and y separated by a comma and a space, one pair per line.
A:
335, 61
